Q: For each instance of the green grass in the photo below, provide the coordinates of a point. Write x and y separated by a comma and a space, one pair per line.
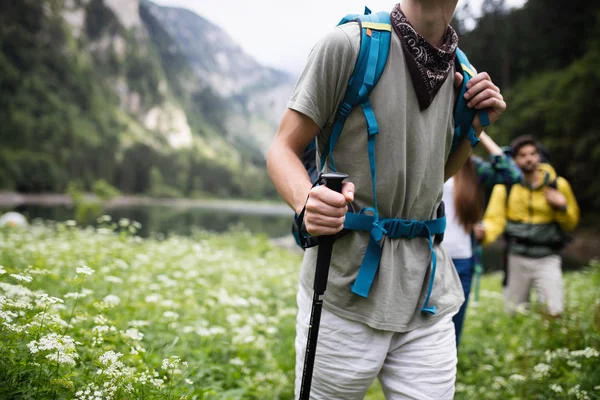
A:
212, 317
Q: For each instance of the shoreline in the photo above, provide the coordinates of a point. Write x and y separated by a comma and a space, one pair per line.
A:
585, 247
12, 199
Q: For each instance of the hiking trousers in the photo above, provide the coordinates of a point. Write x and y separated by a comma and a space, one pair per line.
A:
419, 365
465, 268
542, 274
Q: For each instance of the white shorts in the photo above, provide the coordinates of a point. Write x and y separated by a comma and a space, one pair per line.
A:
420, 364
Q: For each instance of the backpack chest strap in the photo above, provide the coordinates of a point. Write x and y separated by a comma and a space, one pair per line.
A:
393, 228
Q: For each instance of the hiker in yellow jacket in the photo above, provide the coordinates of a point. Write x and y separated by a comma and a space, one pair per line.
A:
535, 220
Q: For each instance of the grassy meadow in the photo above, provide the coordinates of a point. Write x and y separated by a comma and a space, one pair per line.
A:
99, 313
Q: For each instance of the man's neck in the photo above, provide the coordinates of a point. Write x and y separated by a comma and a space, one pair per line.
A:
430, 18
532, 177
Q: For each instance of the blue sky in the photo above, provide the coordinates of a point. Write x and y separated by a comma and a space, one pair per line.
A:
280, 33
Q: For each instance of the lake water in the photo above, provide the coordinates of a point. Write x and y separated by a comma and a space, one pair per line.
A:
273, 221
172, 220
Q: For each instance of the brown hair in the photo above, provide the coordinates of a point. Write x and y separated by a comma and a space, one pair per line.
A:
468, 196
521, 141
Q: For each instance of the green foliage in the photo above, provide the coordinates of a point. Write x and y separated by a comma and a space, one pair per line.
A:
105, 190
558, 108
138, 319
159, 327
158, 187
27, 171
544, 57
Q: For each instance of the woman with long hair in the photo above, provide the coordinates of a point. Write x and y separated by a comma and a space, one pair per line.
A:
464, 198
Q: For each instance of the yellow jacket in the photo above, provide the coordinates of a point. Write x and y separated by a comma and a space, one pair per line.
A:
532, 225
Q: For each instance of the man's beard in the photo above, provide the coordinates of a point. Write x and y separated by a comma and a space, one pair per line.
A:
529, 167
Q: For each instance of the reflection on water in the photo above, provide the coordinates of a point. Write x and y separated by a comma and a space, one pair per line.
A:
170, 220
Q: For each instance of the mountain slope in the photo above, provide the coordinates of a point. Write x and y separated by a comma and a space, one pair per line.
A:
256, 95
98, 90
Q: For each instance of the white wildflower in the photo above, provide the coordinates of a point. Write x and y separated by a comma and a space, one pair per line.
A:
113, 366
124, 222
212, 331
110, 357
93, 392
236, 361
2, 270
517, 378
138, 323
271, 330
144, 377
172, 315
171, 363
189, 382
102, 329
15, 291
137, 349
78, 295
70, 223
234, 319
134, 334
168, 303
153, 298
111, 300
541, 371
104, 218
63, 358
39, 272
84, 270
158, 382
558, 353
64, 345
587, 353
578, 393
20, 277
44, 300
556, 388
113, 279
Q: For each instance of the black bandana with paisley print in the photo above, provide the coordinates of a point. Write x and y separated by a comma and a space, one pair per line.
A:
429, 66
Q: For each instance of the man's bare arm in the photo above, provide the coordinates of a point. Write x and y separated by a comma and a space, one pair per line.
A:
325, 209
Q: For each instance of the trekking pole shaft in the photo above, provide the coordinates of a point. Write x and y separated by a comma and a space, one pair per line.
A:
311, 346
333, 182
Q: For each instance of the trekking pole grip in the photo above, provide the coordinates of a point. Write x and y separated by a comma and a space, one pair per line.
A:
333, 180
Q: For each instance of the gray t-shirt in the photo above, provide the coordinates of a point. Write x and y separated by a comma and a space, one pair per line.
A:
411, 151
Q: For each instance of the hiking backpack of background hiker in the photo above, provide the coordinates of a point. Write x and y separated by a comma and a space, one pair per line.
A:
376, 32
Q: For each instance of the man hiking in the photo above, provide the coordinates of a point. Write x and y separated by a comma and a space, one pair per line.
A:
535, 217
399, 328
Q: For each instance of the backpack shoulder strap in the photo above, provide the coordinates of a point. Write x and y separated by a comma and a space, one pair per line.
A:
508, 189
464, 115
376, 33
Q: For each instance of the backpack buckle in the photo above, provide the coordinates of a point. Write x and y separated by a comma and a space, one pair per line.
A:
345, 109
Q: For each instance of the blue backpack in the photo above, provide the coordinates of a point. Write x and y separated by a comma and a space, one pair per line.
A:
374, 48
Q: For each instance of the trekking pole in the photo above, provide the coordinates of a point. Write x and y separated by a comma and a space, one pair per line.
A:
333, 181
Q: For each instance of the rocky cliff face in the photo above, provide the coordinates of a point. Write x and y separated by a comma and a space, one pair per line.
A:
118, 38
193, 66
255, 94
